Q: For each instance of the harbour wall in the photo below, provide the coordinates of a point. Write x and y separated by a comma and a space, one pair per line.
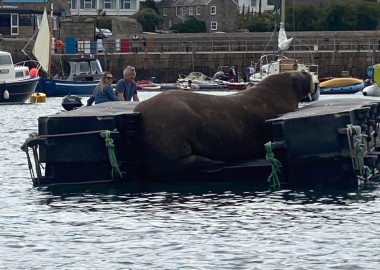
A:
166, 56
166, 66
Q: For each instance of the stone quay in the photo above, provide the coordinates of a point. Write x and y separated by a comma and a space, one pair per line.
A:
167, 55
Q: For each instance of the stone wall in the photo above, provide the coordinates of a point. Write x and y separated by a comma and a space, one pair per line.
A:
167, 65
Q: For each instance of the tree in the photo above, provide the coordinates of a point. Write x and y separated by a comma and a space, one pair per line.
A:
263, 23
339, 18
190, 26
148, 18
149, 4
353, 15
303, 18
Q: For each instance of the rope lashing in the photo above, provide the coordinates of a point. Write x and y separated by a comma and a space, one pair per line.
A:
275, 164
357, 149
106, 134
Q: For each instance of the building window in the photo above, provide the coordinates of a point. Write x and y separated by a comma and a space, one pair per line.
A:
164, 11
191, 11
73, 4
213, 10
127, 4
183, 11
107, 4
14, 24
214, 26
198, 10
89, 4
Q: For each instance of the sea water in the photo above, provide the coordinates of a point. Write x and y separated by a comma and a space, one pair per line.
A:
183, 226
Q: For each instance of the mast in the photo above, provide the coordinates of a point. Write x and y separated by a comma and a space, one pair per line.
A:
276, 11
282, 10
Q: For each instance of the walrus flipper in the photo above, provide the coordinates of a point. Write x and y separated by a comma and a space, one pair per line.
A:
193, 161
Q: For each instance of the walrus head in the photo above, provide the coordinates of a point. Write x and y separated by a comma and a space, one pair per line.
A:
307, 87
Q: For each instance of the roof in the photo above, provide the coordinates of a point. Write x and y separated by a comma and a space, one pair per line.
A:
174, 3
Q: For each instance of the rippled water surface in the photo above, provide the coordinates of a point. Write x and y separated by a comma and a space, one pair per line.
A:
187, 226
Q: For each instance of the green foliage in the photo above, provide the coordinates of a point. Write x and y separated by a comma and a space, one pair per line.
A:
104, 22
263, 23
190, 26
347, 16
149, 4
303, 18
148, 18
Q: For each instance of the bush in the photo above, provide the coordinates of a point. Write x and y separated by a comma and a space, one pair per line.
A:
191, 26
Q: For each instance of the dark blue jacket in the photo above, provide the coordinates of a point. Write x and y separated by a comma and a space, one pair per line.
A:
106, 95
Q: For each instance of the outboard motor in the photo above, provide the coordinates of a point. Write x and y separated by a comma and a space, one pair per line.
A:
70, 102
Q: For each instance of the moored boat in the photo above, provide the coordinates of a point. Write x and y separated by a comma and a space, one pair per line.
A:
147, 85
340, 82
85, 72
270, 64
349, 89
236, 85
16, 82
373, 88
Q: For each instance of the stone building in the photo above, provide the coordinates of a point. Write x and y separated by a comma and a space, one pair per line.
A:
20, 19
219, 15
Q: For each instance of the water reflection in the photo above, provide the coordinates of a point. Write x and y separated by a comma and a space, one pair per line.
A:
166, 193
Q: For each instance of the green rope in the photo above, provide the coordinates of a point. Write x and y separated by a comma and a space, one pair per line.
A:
106, 134
357, 149
275, 164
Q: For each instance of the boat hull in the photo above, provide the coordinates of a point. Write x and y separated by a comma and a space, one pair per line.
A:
17, 92
340, 82
350, 89
60, 88
236, 85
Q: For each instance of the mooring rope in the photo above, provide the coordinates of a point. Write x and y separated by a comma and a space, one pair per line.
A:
275, 164
357, 149
106, 134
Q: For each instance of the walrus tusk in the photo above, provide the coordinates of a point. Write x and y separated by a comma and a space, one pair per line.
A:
310, 97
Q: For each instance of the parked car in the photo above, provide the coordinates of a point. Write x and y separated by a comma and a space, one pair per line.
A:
98, 34
106, 32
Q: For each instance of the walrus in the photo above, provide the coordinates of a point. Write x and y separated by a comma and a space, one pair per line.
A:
181, 130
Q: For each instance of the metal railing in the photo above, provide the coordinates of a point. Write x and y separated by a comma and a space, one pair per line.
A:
236, 46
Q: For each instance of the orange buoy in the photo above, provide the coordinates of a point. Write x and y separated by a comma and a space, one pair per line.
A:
33, 72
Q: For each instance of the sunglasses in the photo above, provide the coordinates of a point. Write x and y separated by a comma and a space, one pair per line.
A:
109, 78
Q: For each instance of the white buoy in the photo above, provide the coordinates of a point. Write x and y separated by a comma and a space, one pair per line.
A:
6, 94
372, 90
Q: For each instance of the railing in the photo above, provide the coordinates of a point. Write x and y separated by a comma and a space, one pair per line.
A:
248, 46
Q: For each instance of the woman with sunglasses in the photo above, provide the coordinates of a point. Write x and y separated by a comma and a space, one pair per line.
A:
103, 91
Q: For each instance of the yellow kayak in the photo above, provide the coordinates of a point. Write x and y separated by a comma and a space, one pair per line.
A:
37, 98
340, 82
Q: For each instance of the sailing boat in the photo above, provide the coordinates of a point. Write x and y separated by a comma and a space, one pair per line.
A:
39, 49
85, 72
269, 64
